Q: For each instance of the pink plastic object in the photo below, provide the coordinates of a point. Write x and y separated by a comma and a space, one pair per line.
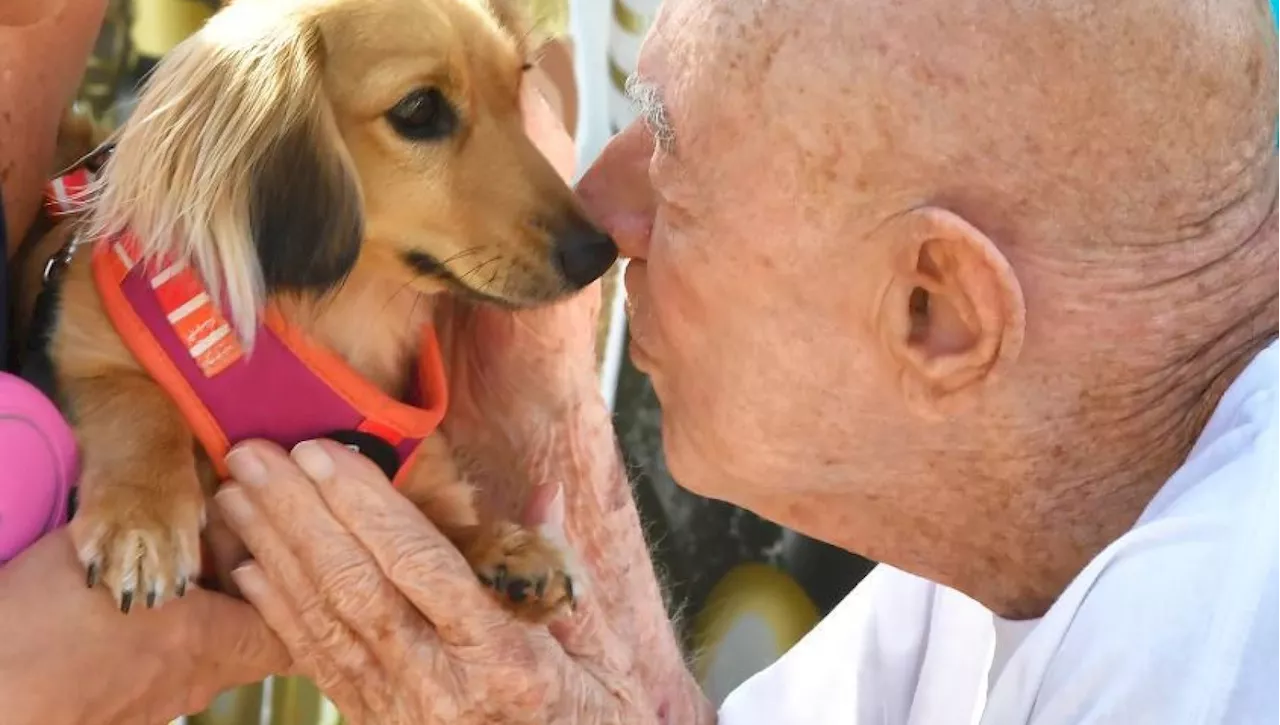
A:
38, 466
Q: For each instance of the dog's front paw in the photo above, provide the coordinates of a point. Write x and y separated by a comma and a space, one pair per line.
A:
140, 544
526, 571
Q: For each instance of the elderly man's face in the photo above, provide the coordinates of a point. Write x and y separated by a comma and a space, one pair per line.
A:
752, 298
909, 275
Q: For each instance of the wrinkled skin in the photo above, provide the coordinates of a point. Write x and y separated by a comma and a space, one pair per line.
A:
890, 304
386, 616
945, 303
69, 657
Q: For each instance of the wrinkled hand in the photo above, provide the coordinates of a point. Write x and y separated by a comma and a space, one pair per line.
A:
383, 613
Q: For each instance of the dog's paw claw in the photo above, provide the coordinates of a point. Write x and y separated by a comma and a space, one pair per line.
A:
140, 556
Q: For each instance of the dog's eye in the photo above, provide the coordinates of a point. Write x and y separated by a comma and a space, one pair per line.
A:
423, 115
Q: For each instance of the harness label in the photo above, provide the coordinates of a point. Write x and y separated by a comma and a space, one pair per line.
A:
203, 330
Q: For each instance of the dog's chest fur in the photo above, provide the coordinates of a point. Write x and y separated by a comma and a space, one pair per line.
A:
372, 323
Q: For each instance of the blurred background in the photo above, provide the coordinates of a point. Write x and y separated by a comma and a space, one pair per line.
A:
740, 589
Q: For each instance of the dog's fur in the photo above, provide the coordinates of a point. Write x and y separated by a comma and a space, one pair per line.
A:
261, 153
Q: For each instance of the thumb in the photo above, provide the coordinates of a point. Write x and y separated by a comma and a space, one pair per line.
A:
545, 510
585, 633
236, 640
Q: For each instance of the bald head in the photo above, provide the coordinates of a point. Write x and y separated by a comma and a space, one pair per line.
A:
1089, 121
882, 248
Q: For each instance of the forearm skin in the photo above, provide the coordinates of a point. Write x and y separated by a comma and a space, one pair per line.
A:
603, 528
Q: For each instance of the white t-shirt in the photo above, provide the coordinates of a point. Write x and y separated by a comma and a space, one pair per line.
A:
1174, 623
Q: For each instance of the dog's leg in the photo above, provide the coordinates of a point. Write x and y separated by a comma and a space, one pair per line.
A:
525, 570
137, 526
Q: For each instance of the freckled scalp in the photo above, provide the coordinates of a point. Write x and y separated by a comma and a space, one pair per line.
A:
1110, 113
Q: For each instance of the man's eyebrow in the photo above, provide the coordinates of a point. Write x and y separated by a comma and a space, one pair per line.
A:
647, 99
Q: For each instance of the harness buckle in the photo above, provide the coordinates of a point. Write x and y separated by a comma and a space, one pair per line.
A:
59, 260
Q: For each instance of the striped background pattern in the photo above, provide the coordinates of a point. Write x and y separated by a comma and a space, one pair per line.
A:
631, 19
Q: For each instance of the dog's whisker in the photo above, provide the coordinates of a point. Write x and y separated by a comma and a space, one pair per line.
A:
392, 297
480, 266
410, 321
463, 253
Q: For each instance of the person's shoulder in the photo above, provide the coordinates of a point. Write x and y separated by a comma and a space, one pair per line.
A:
862, 662
1177, 621
1236, 459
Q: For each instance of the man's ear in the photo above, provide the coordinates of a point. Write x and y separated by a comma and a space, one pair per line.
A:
953, 316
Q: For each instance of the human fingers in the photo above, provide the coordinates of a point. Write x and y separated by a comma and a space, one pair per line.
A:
312, 660
235, 638
418, 560
161, 663
316, 554
329, 637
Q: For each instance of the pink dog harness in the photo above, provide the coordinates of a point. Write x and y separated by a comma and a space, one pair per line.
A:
288, 390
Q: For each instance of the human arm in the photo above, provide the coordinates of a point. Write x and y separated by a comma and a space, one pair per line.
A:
43, 49
69, 656
386, 617
604, 529
523, 399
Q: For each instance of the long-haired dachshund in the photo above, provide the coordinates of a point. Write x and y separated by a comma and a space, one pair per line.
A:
333, 165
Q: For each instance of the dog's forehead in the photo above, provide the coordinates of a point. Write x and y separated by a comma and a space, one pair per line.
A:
406, 28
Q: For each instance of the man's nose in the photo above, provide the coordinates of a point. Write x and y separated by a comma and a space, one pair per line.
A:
615, 192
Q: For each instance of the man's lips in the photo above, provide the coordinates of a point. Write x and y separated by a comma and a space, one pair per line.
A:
634, 284
635, 345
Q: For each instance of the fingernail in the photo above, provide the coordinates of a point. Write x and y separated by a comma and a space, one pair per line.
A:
246, 467
248, 577
555, 509
552, 525
312, 458
233, 503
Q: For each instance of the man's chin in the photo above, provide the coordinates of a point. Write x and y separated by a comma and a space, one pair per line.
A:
640, 358
685, 462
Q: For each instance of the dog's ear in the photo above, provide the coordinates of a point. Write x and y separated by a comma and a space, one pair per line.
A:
304, 209
232, 162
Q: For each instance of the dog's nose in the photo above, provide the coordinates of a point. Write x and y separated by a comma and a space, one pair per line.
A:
582, 253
